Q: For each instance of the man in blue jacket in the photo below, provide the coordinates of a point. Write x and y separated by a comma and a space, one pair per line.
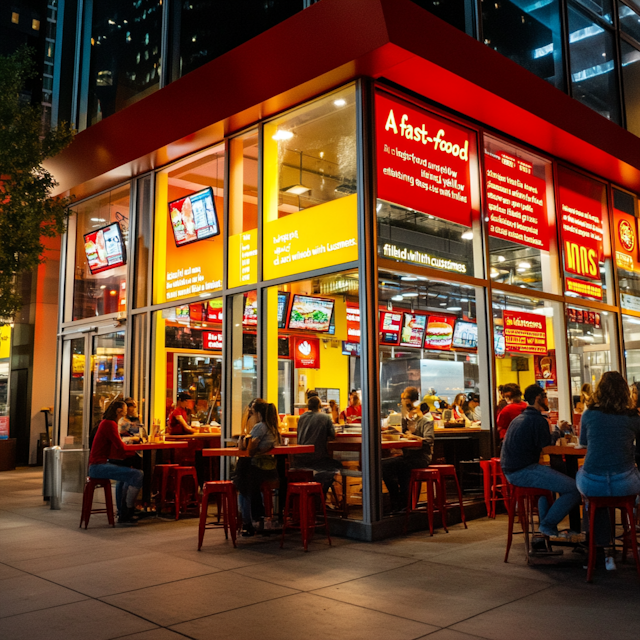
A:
527, 435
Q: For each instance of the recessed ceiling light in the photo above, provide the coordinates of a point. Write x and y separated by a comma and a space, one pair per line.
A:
525, 265
398, 298
282, 134
340, 102
454, 308
467, 235
410, 295
520, 270
409, 278
501, 258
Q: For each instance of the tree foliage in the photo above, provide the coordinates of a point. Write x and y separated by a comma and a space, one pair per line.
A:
27, 211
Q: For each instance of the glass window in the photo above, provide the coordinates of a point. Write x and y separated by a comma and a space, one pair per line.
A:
529, 348
631, 334
107, 372
243, 210
458, 13
600, 8
75, 409
592, 349
310, 176
143, 241
625, 237
125, 55
593, 69
529, 34
428, 204
629, 20
312, 339
520, 217
5, 360
104, 221
140, 364
187, 356
188, 255
631, 83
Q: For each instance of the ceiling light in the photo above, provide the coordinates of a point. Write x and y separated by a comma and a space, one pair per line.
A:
454, 308
378, 207
501, 258
520, 270
467, 235
98, 220
340, 102
398, 298
409, 278
464, 299
410, 295
601, 269
103, 286
494, 273
297, 189
525, 265
281, 134
443, 304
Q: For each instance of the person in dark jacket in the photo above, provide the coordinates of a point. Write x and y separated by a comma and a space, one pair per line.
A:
527, 435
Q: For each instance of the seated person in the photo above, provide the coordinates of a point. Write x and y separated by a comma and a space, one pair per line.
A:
473, 408
455, 413
353, 413
396, 472
130, 429
528, 434
316, 428
515, 406
107, 446
178, 418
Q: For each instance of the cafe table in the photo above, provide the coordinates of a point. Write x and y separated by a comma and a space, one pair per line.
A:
198, 442
282, 450
147, 448
351, 442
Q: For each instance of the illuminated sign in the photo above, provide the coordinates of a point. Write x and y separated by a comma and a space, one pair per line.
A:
422, 161
353, 322
439, 334
214, 310
243, 258
250, 313
351, 349
583, 288
212, 340
516, 202
582, 209
194, 217
306, 353
4, 427
404, 254
626, 241
524, 332
413, 326
104, 248
390, 324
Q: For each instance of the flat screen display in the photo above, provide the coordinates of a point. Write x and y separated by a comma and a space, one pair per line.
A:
390, 325
250, 314
104, 248
439, 334
283, 306
413, 326
194, 218
310, 313
465, 335
498, 341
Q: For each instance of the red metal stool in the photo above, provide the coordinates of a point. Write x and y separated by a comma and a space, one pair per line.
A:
524, 498
432, 478
227, 499
87, 501
159, 484
306, 492
176, 477
449, 471
494, 482
626, 505
300, 475
267, 488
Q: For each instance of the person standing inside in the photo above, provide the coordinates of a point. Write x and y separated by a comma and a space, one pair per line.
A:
353, 413
527, 435
179, 418
513, 395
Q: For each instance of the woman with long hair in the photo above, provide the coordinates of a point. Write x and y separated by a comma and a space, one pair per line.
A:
106, 446
585, 397
259, 466
455, 413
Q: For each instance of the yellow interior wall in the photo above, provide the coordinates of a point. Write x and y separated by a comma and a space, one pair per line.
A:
160, 372
270, 181
271, 391
504, 375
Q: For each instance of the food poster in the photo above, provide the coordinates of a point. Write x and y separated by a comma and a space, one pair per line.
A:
413, 326
310, 313
250, 313
104, 249
626, 241
545, 367
194, 217
439, 334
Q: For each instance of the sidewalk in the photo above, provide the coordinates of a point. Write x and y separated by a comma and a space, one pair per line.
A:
149, 583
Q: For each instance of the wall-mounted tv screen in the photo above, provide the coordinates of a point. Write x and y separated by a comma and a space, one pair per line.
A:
465, 335
498, 341
390, 325
413, 326
310, 313
283, 307
104, 248
194, 217
250, 314
439, 334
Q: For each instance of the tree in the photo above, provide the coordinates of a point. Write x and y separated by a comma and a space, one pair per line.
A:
27, 210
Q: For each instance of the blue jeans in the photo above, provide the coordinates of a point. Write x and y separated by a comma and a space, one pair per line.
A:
540, 477
129, 481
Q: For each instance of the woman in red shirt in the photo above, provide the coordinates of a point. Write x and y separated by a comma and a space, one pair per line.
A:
178, 418
353, 413
107, 445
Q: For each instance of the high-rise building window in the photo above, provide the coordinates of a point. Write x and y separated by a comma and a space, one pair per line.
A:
458, 13
631, 83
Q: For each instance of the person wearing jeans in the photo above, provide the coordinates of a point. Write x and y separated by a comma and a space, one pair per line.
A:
527, 435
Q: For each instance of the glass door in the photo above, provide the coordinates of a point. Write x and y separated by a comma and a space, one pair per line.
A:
107, 372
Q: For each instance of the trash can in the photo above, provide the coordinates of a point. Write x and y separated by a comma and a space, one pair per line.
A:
52, 476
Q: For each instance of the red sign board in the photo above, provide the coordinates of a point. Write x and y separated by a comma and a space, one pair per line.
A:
390, 325
212, 340
439, 333
516, 202
582, 209
583, 288
525, 332
214, 310
626, 240
353, 322
545, 367
423, 161
4, 427
306, 353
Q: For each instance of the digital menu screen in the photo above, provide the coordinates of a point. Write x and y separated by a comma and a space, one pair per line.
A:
310, 313
283, 305
104, 248
413, 326
439, 333
498, 341
214, 310
390, 325
250, 313
194, 217
465, 335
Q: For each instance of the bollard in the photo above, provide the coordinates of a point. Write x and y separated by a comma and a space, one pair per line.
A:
52, 476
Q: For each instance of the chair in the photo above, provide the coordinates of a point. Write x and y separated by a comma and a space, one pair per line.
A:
449, 471
227, 497
432, 478
87, 501
626, 505
266, 489
177, 477
159, 484
495, 485
306, 493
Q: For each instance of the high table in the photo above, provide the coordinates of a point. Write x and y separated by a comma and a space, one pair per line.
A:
568, 466
276, 451
146, 449
351, 442
197, 442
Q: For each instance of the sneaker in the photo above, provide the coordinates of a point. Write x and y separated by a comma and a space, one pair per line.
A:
249, 532
610, 563
128, 517
546, 530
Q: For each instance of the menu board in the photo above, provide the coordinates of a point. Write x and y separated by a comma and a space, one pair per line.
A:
250, 313
413, 326
194, 218
214, 310
439, 333
422, 160
516, 201
283, 306
196, 312
390, 325
582, 207
465, 335
626, 240
104, 248
310, 313
524, 332
212, 340
353, 322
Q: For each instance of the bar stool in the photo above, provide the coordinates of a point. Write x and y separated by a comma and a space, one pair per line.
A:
626, 505
432, 478
159, 484
87, 501
306, 492
297, 475
227, 498
524, 498
266, 489
176, 477
449, 471
494, 483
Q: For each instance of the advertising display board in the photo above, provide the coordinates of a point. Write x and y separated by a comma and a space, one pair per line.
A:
465, 335
243, 258
353, 322
212, 340
194, 217
625, 234
306, 352
516, 201
104, 248
413, 326
422, 160
390, 325
283, 307
310, 313
439, 334
250, 312
524, 332
214, 310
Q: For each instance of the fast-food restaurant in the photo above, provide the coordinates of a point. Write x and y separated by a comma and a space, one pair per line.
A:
388, 216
